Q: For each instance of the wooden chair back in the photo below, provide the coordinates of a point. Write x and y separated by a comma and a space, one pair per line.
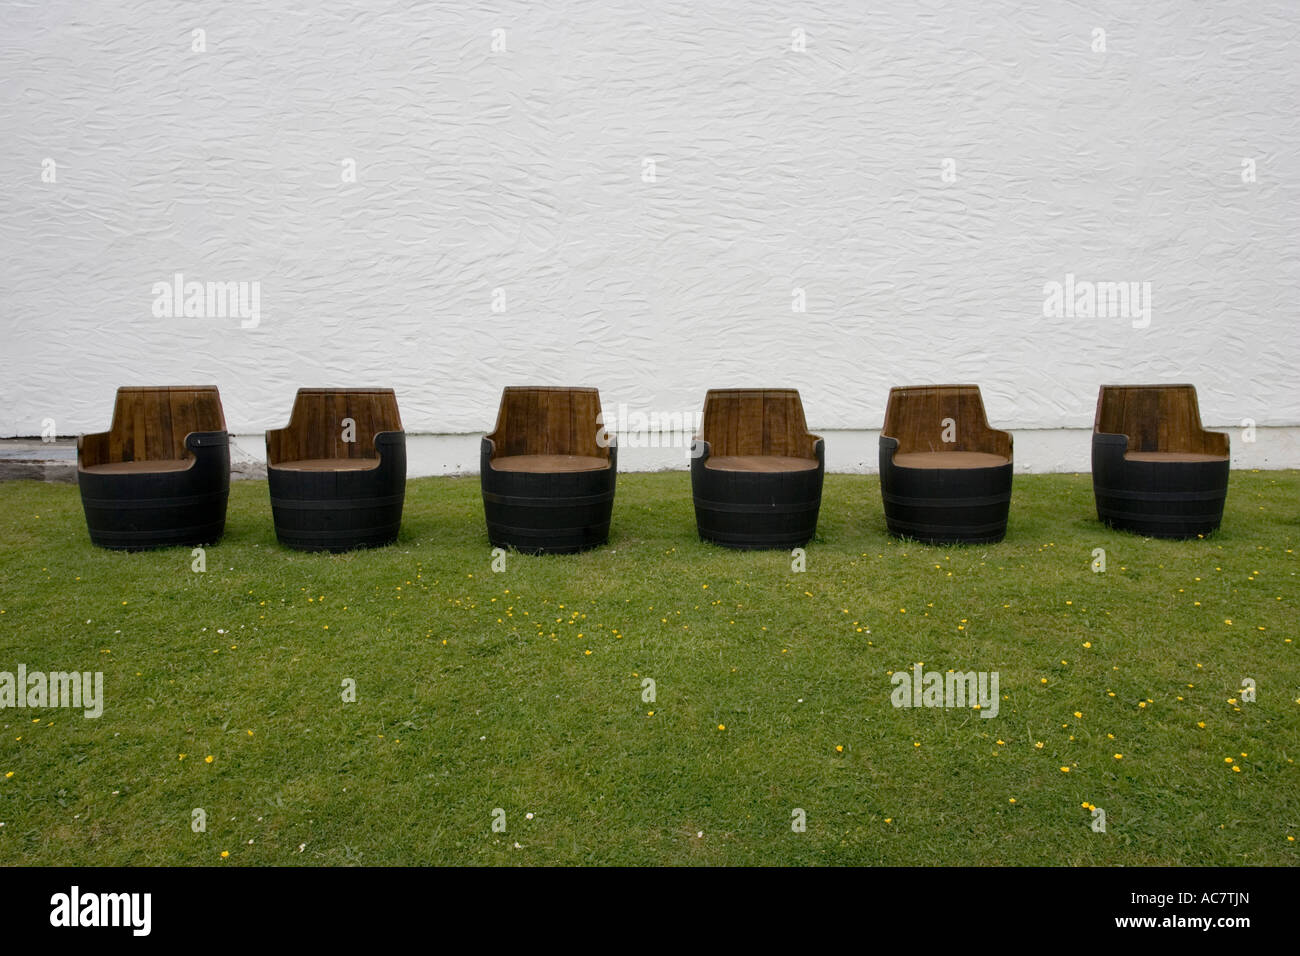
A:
920, 417
537, 420
1156, 418
150, 424
317, 426
756, 421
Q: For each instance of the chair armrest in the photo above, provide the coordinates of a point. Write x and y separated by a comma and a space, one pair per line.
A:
92, 449
275, 445
999, 442
197, 440
1214, 443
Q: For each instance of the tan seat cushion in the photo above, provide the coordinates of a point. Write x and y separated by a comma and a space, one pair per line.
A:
549, 464
766, 463
1171, 456
948, 459
139, 467
329, 464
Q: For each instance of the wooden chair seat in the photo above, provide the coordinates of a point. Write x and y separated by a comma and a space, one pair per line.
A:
760, 463
1142, 425
756, 470
945, 474
329, 464
550, 464
160, 476
138, 467
337, 471
1170, 456
547, 471
949, 459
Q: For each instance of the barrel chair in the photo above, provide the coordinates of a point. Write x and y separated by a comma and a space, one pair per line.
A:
337, 472
161, 474
945, 475
547, 472
1155, 470
756, 471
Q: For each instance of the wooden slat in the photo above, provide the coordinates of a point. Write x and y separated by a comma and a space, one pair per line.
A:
1157, 419
315, 429
150, 423
916, 414
746, 423
548, 421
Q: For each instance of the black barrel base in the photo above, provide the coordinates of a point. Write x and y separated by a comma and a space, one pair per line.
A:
136, 538
756, 542
552, 541
757, 511
334, 539
339, 511
547, 513
149, 510
1174, 499
945, 505
1180, 531
944, 535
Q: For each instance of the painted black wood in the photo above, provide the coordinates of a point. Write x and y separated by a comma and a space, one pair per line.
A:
547, 513
342, 510
755, 510
136, 511
944, 505
1158, 499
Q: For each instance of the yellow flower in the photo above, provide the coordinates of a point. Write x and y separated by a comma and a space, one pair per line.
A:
722, 726
1227, 760
1012, 800
1039, 745
1078, 714
839, 748
1065, 770
1119, 756
225, 853
1236, 769
209, 758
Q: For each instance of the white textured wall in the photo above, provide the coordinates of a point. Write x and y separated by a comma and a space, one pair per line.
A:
776, 169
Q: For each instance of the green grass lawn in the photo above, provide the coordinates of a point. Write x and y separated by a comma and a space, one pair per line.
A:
522, 690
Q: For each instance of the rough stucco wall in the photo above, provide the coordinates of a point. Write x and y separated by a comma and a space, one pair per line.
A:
522, 170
